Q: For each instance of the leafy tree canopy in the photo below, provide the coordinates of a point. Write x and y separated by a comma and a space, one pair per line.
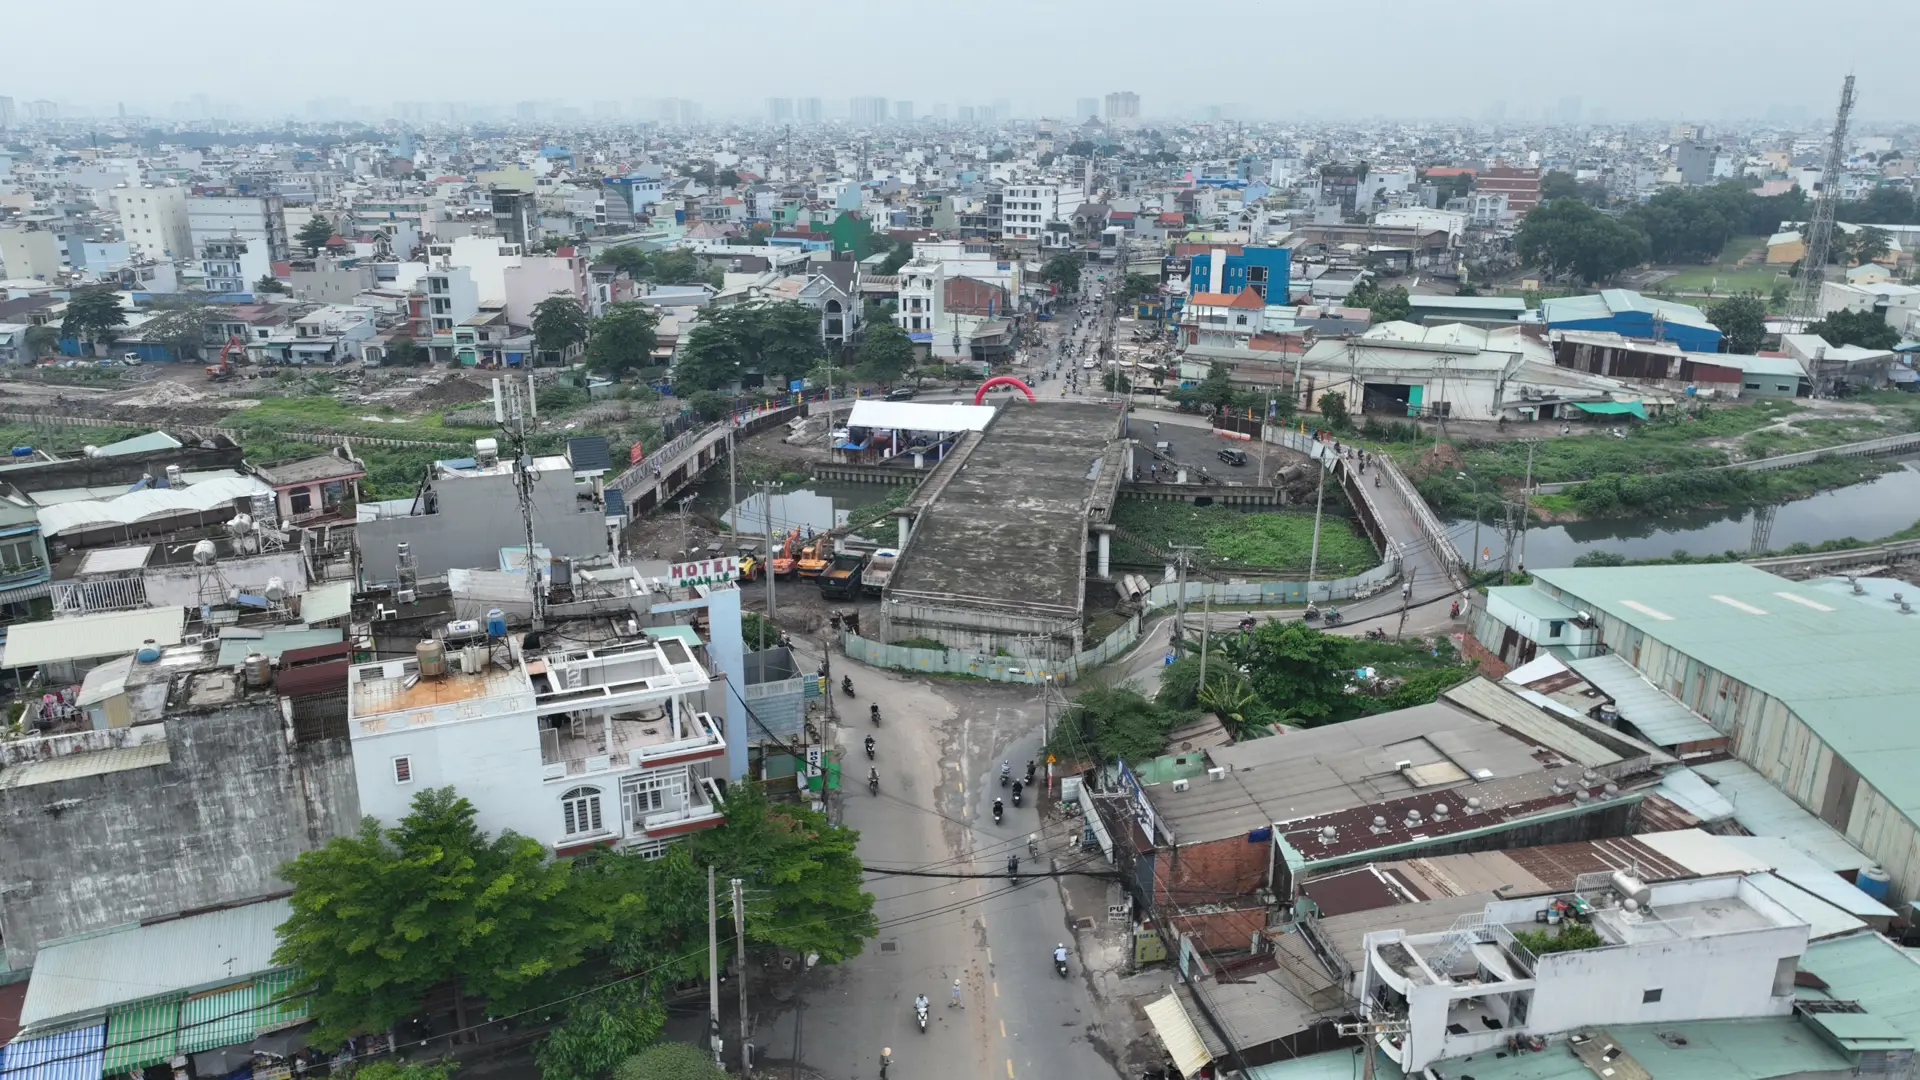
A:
1863, 328
670, 1061
1742, 320
559, 323
623, 339
315, 233
884, 354
1063, 271
801, 871
94, 315
780, 341
1568, 238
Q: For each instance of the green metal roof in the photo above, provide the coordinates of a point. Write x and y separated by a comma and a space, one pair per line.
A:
1712, 1050
1532, 601
142, 1034
1612, 408
1883, 977
222, 1018
1844, 668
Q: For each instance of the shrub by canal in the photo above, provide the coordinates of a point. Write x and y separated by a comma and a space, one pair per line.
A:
1233, 539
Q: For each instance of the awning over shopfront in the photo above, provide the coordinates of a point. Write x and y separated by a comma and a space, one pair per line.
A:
1177, 1034
1612, 408
74, 1054
229, 1016
144, 1033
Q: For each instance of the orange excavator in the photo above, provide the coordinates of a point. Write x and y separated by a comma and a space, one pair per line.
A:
223, 370
783, 559
815, 556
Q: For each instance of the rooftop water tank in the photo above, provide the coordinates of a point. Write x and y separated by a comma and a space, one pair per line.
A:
258, 669
432, 658
496, 623
1874, 882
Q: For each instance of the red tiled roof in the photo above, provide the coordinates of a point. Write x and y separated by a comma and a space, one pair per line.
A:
1171, 218
1121, 215
1450, 170
1209, 299
282, 269
1247, 298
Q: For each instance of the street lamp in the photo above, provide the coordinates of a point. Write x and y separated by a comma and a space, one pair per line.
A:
1473, 557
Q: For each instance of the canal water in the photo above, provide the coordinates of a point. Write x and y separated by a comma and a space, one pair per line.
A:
811, 505
1865, 511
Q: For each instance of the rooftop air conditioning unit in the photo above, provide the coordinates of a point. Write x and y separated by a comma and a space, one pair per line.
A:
1180, 785
1216, 773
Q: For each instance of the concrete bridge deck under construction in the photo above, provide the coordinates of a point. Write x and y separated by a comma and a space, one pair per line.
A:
999, 552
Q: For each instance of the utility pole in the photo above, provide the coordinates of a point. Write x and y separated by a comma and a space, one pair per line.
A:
686, 540
1261, 435
733, 495
1367, 1030
740, 957
1319, 501
1182, 554
1526, 505
512, 414
1206, 633
713, 972
766, 510
1506, 557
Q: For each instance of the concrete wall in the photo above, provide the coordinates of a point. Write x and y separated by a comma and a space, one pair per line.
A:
478, 515
211, 826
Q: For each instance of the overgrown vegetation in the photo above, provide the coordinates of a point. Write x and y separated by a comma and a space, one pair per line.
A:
1233, 539
1571, 937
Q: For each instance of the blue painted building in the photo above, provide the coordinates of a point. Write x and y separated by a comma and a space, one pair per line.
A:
1252, 267
1632, 315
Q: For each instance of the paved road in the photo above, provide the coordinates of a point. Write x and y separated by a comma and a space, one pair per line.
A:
938, 749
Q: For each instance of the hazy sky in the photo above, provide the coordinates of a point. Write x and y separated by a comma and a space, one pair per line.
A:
1676, 59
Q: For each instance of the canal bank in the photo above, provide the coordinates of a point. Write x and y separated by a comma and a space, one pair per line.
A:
1866, 511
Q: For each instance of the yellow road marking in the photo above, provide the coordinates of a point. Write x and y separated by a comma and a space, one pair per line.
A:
1009, 1069
1003, 1029
996, 988
989, 954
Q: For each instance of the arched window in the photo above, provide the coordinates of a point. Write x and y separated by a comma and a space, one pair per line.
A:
582, 808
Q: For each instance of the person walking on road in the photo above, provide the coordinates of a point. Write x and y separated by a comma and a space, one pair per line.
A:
956, 996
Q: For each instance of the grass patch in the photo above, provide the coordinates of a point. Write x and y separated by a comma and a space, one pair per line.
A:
1723, 280
1231, 539
63, 438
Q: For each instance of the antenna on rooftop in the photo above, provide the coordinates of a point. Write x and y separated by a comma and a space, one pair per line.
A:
514, 412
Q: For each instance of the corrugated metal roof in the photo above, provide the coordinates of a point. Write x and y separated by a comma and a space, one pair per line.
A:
1177, 1034
84, 976
90, 763
1526, 720
64, 1055
324, 603
274, 642
1765, 810
141, 444
1664, 721
113, 634
589, 453
141, 1035
220, 1018
1869, 969
136, 505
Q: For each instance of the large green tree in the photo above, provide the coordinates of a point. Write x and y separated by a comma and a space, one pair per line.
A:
184, 329
1383, 305
1742, 320
1884, 205
677, 268
884, 354
1063, 272
779, 341
1568, 238
1295, 669
670, 1061
315, 233
94, 316
1110, 724
1863, 328
802, 875
385, 915
630, 258
601, 1029
623, 338
559, 324
43, 340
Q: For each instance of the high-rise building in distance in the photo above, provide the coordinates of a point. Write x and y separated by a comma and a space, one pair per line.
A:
1002, 109
903, 111
808, 110
6, 113
964, 114
779, 109
867, 110
1087, 108
1123, 105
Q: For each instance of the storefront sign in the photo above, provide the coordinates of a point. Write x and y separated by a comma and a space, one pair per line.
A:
704, 572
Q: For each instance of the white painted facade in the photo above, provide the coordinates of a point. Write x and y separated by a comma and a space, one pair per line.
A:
1704, 949
574, 747
1027, 209
154, 220
487, 257
237, 238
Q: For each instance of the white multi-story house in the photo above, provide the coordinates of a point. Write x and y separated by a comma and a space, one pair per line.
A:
237, 238
1026, 210
154, 220
1706, 949
575, 747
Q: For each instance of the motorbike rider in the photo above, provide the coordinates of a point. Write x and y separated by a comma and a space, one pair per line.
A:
1013, 864
846, 684
869, 746
997, 810
873, 777
1060, 953
1017, 787
1006, 770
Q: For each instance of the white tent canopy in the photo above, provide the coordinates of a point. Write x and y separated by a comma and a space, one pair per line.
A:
918, 416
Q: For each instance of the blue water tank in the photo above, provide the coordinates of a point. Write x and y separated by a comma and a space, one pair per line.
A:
1873, 881
496, 623
23, 451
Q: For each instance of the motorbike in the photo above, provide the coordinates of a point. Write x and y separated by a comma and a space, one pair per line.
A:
997, 811
1029, 772
1005, 778
873, 711
873, 781
846, 685
1013, 870
1060, 966
1376, 634
869, 748
920, 1011
1247, 623
1016, 793
1332, 617
1453, 610
1311, 613
1033, 845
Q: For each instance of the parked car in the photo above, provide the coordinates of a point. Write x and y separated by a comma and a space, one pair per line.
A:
1233, 457
900, 393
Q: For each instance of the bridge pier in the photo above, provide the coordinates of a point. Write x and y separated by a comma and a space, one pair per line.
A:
902, 519
1105, 560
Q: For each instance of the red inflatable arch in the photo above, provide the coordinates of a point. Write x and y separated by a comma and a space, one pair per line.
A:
1002, 380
